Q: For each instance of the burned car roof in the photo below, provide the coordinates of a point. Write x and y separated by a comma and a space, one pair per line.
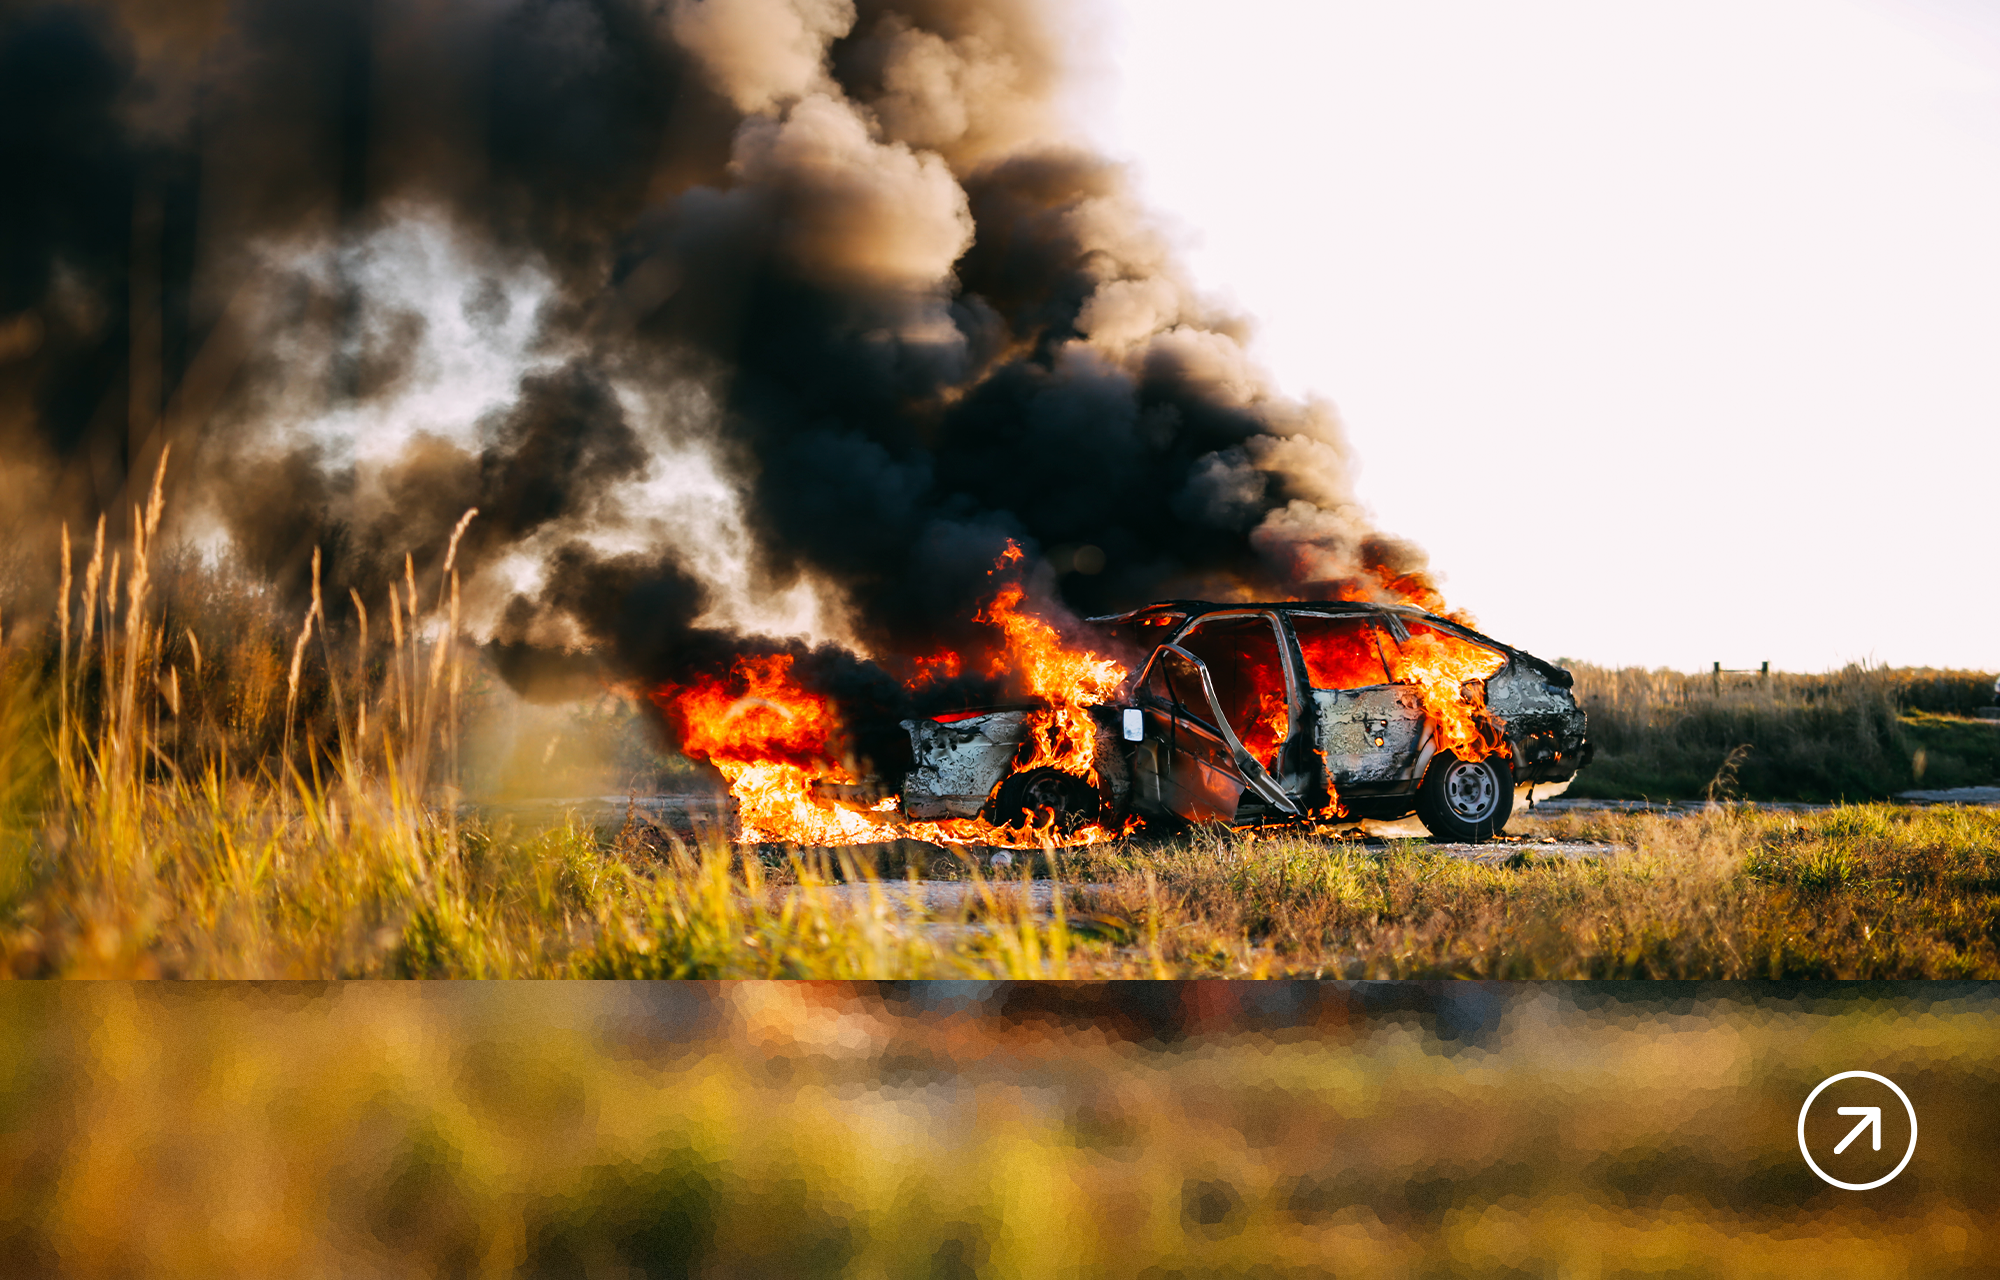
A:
1191, 609
1195, 608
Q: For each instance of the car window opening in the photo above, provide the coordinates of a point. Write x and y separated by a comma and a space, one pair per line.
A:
1248, 672
1429, 652
1173, 680
1158, 684
1341, 653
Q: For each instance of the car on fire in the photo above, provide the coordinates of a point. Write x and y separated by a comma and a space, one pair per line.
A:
1298, 711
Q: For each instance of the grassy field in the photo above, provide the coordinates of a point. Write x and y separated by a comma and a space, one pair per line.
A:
1857, 892
186, 792
1861, 733
248, 885
809, 1130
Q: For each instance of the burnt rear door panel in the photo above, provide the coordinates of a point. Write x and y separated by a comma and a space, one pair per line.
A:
1254, 689
1204, 769
1369, 735
1203, 783
1370, 729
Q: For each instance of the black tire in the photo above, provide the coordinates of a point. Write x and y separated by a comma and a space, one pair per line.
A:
1031, 798
1466, 801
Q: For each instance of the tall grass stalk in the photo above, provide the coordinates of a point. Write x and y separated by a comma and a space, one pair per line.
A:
182, 798
155, 849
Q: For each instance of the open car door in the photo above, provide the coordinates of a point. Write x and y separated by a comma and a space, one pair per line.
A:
1197, 767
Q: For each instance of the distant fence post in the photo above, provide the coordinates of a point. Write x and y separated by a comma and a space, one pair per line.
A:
1716, 673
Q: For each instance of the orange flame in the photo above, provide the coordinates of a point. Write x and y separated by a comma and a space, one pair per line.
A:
772, 740
1449, 674
938, 667
1269, 727
1062, 735
776, 742
760, 713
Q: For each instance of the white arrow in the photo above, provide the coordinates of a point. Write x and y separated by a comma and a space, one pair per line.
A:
1869, 1116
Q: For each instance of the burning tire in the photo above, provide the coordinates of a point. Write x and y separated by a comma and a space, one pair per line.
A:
1045, 795
1466, 800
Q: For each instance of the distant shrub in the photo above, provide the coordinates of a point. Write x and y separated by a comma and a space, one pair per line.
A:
1858, 732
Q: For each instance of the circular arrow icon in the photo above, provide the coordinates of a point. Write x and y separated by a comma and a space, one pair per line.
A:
1870, 1122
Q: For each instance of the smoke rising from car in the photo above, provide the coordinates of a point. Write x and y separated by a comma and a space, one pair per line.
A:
743, 323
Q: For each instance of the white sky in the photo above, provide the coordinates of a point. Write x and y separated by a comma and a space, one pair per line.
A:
1671, 330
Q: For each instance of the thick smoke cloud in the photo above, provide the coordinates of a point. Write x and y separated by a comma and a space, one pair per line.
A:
730, 316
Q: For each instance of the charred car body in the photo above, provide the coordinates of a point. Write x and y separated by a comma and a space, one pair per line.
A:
1276, 712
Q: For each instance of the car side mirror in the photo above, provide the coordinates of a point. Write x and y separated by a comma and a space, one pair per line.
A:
1135, 725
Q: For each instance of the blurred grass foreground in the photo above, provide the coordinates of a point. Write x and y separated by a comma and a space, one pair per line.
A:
192, 786
956, 1130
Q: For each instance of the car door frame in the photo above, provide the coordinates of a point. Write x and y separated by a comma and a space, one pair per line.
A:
1299, 709
1254, 777
1422, 738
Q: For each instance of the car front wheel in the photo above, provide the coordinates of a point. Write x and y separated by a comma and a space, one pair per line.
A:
1046, 797
1466, 800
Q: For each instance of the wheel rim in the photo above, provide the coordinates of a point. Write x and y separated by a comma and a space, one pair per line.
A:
1471, 791
1056, 794
1046, 793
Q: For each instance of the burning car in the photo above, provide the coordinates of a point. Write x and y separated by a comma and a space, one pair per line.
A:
1291, 712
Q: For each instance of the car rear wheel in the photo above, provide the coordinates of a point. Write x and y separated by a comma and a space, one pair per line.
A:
1042, 796
1466, 800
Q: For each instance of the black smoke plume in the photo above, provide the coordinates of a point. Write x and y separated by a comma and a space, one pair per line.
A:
814, 301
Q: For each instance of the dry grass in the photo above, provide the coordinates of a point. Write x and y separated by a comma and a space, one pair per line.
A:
1858, 892
285, 807
145, 831
1859, 733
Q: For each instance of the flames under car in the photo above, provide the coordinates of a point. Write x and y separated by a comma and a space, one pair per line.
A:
1281, 712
